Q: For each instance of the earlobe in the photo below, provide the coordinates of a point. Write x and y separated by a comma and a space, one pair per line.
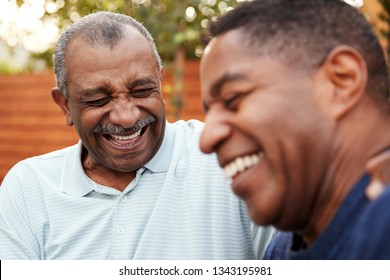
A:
347, 71
62, 102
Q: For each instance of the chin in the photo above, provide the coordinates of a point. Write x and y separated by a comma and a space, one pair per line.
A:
265, 214
123, 168
260, 218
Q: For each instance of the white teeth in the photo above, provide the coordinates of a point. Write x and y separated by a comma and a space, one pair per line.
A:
240, 164
124, 138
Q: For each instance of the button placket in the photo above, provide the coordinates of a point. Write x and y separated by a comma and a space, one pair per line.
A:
120, 230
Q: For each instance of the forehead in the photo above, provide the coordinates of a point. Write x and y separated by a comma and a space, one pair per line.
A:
223, 48
227, 56
131, 59
132, 44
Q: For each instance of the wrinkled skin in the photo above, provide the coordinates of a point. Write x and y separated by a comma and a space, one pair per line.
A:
116, 88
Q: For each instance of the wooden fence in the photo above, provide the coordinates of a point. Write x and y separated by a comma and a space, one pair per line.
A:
32, 124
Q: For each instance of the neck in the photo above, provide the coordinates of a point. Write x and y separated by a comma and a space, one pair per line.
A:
355, 146
105, 176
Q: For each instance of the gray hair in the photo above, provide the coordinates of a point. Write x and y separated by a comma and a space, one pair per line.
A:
105, 28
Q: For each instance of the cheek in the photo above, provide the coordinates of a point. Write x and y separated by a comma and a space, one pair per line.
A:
258, 115
269, 192
86, 121
154, 104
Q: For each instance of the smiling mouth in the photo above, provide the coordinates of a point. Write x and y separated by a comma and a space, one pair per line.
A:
125, 140
240, 164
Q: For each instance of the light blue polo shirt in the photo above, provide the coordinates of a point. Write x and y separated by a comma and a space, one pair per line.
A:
179, 206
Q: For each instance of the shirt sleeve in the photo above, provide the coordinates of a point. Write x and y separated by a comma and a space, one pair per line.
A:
16, 237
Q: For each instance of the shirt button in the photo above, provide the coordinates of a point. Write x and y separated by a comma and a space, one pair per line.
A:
120, 230
124, 198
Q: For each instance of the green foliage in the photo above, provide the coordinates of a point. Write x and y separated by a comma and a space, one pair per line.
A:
176, 27
166, 20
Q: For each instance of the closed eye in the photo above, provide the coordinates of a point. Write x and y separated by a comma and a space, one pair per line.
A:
143, 93
232, 102
96, 102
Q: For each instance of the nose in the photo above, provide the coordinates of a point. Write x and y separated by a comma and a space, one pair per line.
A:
124, 112
215, 131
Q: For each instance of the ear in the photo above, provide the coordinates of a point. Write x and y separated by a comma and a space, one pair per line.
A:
347, 71
62, 102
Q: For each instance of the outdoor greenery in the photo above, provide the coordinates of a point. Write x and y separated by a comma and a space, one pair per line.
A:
175, 25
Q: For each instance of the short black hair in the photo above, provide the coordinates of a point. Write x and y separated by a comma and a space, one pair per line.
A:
305, 31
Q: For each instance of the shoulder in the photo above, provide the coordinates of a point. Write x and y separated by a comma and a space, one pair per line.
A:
31, 170
190, 127
190, 160
187, 134
370, 240
279, 246
376, 214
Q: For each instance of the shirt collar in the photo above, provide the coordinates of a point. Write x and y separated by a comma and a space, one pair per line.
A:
76, 182
161, 160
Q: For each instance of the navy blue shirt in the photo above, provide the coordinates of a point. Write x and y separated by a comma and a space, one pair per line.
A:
359, 230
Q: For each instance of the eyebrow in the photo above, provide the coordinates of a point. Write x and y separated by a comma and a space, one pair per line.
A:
90, 92
217, 86
107, 89
142, 81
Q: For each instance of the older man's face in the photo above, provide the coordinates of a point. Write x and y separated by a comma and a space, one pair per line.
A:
115, 101
268, 129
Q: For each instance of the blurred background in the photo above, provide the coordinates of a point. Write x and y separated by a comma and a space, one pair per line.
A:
32, 124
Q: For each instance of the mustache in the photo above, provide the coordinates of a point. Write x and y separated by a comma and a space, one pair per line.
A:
117, 129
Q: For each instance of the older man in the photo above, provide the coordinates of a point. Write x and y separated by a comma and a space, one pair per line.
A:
135, 186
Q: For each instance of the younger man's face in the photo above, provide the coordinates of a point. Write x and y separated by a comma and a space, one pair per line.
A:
267, 128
